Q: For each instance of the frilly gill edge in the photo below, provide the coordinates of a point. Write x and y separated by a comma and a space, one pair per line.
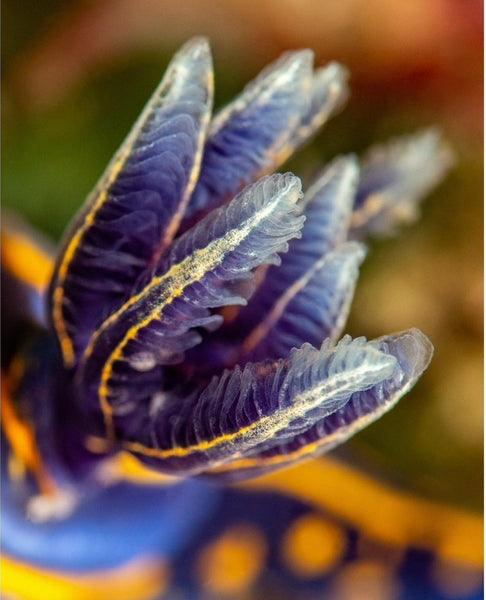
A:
198, 299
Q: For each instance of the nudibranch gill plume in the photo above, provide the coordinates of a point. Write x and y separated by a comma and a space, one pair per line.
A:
195, 312
198, 298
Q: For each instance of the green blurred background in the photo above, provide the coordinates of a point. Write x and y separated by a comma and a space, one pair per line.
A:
77, 73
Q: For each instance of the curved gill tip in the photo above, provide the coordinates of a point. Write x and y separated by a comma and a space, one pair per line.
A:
345, 165
327, 94
342, 172
395, 177
352, 252
197, 44
421, 160
294, 65
193, 62
288, 67
412, 349
430, 145
281, 187
424, 157
294, 184
195, 49
291, 72
332, 79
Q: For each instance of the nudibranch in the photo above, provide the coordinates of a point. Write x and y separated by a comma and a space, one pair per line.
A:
183, 223
194, 317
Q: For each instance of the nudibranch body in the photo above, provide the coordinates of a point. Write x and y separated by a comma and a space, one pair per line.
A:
196, 312
184, 222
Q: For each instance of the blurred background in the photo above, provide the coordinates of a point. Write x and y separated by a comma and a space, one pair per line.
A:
76, 73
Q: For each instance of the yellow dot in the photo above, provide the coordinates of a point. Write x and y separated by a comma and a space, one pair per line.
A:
312, 546
231, 563
365, 579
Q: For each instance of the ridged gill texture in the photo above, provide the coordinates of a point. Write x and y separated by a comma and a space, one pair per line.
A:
198, 299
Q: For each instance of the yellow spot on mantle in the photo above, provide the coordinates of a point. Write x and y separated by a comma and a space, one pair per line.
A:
385, 514
312, 546
365, 579
230, 564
